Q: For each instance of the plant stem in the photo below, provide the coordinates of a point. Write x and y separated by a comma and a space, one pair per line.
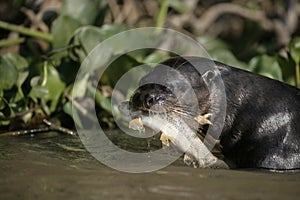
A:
26, 31
57, 128
50, 127
162, 13
10, 42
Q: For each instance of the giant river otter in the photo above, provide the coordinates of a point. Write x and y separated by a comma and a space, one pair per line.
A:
261, 126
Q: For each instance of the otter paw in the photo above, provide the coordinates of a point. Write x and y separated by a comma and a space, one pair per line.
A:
165, 139
137, 124
207, 161
188, 160
203, 119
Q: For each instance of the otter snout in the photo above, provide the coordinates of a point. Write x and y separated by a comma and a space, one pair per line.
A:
151, 97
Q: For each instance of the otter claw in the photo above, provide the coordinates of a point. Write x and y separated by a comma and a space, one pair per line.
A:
137, 124
202, 163
188, 160
203, 119
206, 162
165, 139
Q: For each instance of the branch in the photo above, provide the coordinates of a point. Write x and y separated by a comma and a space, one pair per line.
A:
50, 127
291, 15
19, 114
11, 42
60, 129
25, 132
161, 17
116, 11
26, 31
283, 27
36, 21
218, 10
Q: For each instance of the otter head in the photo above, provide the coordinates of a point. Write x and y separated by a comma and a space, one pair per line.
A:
172, 86
152, 98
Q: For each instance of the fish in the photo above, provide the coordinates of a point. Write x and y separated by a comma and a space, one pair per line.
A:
175, 132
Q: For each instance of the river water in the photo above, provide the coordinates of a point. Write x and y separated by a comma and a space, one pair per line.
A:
59, 167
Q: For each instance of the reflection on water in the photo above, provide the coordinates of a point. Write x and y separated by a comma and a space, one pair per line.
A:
59, 167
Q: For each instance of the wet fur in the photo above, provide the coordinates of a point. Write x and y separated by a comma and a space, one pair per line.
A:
262, 124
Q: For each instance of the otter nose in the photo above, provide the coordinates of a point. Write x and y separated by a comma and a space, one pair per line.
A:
153, 99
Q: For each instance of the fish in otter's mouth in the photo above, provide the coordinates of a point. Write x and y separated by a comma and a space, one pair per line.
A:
157, 107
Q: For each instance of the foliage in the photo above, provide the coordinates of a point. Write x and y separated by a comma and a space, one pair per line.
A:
34, 82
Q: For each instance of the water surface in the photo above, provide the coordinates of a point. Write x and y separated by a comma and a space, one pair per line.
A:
59, 167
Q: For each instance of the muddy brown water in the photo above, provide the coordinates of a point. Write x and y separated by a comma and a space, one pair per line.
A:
60, 168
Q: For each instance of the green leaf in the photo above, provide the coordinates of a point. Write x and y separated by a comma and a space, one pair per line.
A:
226, 56
117, 69
219, 51
62, 30
12, 99
294, 49
84, 40
20, 62
35, 81
72, 113
54, 86
288, 69
21, 65
2, 104
267, 66
47, 87
155, 57
79, 88
38, 92
104, 102
4, 122
88, 37
83, 11
211, 44
8, 73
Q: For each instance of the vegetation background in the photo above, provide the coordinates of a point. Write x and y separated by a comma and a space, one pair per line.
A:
43, 43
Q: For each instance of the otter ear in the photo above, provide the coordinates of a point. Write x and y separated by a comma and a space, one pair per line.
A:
209, 76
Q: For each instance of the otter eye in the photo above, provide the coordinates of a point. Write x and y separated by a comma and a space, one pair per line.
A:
169, 88
150, 100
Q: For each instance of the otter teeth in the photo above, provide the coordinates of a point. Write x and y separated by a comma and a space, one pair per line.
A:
203, 119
